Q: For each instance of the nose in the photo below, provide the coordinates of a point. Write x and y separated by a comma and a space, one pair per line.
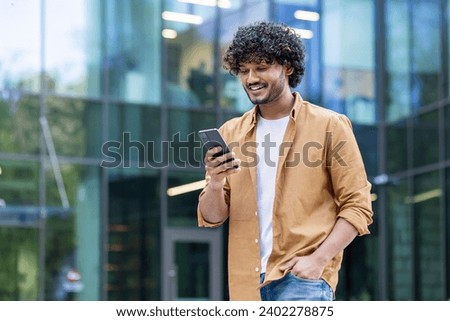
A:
252, 77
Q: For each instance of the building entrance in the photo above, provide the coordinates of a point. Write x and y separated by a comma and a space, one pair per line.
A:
192, 265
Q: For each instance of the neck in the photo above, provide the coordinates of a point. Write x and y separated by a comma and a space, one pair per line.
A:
278, 108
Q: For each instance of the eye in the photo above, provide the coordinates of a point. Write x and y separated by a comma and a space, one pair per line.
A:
243, 71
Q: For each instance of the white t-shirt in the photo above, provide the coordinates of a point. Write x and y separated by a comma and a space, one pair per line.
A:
269, 136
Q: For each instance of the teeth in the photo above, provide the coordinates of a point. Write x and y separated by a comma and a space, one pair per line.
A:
256, 87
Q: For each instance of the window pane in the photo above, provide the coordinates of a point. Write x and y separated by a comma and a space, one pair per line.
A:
358, 275
397, 60
366, 136
192, 260
400, 242
75, 126
426, 201
185, 146
72, 46
134, 137
134, 233
19, 218
19, 126
73, 239
133, 58
190, 53
19, 46
19, 192
349, 59
311, 85
233, 95
426, 52
426, 139
396, 147
413, 55
19, 271
183, 199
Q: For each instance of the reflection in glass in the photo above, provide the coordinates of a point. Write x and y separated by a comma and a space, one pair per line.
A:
426, 202
182, 202
396, 147
366, 136
19, 125
19, 186
398, 63
232, 94
426, 139
61, 253
186, 150
134, 234
19, 46
305, 17
426, 52
75, 126
19, 218
400, 242
192, 260
360, 265
133, 58
72, 236
349, 59
72, 46
19, 271
134, 136
413, 55
188, 30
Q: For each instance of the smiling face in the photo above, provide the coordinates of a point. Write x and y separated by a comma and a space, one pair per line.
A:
264, 83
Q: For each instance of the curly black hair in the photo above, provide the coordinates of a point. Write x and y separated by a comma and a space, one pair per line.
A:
270, 42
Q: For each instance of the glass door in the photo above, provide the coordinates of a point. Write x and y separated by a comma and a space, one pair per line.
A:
192, 265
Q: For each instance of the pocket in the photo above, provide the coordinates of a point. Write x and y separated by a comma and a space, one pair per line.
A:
312, 289
306, 280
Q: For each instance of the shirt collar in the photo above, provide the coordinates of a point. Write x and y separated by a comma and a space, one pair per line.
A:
293, 114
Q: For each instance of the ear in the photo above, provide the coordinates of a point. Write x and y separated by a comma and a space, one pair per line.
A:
289, 70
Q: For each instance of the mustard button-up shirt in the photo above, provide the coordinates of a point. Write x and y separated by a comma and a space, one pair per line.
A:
320, 178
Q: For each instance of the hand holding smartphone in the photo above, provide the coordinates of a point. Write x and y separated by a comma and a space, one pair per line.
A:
211, 138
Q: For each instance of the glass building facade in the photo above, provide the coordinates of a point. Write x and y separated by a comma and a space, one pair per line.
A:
100, 102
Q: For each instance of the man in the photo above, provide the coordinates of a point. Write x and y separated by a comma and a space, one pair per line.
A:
296, 192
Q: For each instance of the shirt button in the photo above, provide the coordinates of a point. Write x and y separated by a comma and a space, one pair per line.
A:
256, 240
256, 213
257, 269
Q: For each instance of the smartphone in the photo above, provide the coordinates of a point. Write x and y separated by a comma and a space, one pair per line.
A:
211, 138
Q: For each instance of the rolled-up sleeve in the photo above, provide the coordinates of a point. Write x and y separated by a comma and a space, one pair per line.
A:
348, 176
